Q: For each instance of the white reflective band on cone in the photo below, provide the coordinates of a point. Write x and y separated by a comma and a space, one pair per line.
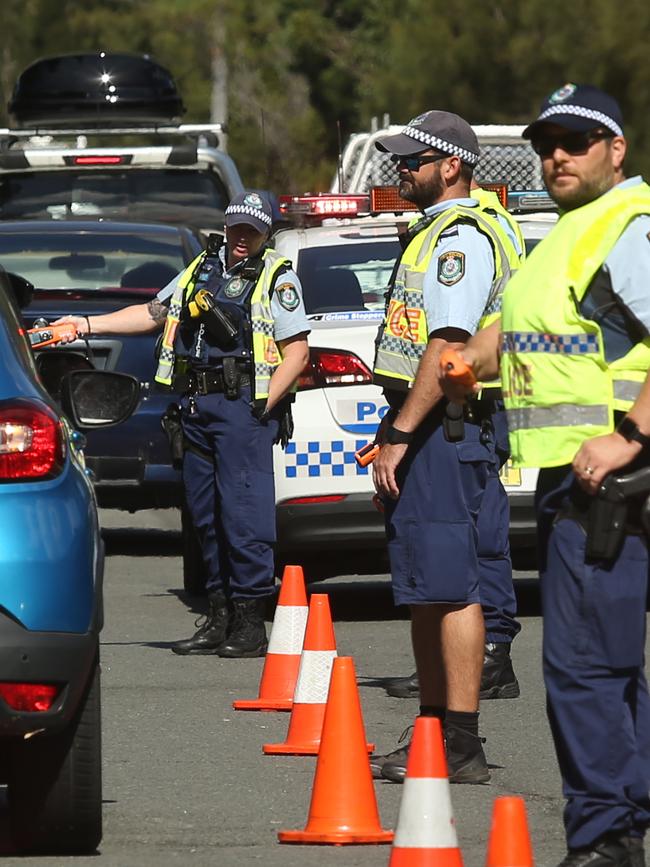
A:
314, 676
425, 818
288, 631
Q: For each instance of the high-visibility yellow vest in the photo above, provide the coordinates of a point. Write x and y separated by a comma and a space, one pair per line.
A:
558, 388
490, 203
265, 352
404, 334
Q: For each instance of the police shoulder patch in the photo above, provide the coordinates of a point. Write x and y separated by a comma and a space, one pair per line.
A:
451, 267
288, 296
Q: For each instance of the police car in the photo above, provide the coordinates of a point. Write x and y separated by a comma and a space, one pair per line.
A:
344, 261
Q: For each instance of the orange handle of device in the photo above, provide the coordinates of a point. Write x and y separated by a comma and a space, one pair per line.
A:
457, 369
367, 454
51, 334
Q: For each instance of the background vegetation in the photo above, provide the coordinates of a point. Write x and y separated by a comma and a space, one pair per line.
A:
290, 70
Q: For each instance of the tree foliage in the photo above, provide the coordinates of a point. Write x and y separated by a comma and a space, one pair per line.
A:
299, 69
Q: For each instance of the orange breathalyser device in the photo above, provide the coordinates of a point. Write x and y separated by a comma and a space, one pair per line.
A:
51, 334
367, 454
456, 368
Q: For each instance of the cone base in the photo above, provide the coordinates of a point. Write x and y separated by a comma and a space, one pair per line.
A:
263, 704
337, 838
299, 749
408, 856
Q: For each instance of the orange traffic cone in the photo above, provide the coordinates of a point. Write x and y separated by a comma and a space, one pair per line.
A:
343, 804
280, 671
509, 844
426, 831
310, 697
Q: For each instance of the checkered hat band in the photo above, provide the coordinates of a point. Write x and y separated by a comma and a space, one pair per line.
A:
251, 212
580, 111
440, 144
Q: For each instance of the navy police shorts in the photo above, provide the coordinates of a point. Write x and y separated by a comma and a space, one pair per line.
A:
432, 526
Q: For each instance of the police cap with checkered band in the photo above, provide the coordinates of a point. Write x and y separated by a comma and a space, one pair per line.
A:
579, 108
254, 209
441, 130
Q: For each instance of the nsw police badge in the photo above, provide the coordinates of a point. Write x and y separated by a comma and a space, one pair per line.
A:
234, 288
451, 267
288, 296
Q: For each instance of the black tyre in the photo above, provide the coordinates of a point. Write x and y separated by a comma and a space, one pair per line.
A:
194, 573
55, 784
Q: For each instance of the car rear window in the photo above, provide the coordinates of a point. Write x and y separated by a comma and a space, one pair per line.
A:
146, 195
92, 260
346, 276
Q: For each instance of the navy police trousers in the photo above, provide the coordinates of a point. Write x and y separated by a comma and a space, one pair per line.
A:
432, 528
231, 494
597, 696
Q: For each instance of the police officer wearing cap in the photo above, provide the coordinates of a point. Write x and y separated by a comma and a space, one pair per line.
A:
434, 465
575, 343
498, 600
235, 342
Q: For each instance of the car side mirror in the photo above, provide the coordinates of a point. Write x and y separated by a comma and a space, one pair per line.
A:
98, 398
23, 290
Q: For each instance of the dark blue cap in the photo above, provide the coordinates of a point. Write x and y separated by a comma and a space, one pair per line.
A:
580, 108
251, 208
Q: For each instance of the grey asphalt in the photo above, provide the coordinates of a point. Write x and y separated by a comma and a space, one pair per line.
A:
185, 780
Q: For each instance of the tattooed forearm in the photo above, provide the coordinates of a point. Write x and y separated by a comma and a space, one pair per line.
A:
157, 310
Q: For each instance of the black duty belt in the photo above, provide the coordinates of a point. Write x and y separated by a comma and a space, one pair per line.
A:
195, 381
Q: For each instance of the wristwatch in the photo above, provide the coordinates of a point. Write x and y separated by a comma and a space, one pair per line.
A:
395, 437
629, 430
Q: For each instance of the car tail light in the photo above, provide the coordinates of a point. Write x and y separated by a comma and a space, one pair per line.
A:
32, 445
309, 501
33, 697
331, 367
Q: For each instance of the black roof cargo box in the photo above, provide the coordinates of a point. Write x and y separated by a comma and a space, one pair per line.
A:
95, 89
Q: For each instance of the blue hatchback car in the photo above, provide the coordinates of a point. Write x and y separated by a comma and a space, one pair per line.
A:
51, 566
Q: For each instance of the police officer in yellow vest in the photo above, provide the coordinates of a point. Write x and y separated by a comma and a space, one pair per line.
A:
574, 340
432, 470
235, 341
498, 600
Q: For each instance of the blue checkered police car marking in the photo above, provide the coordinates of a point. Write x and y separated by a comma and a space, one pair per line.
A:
328, 458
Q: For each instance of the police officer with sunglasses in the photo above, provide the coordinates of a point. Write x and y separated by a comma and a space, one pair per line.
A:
574, 341
433, 470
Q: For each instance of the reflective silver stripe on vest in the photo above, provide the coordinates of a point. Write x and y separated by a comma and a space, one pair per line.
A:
533, 341
627, 389
560, 415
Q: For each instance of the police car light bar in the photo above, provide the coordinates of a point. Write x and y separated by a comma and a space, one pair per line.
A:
501, 189
388, 199
323, 205
530, 200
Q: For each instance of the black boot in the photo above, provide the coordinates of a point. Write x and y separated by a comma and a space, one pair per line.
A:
466, 760
212, 631
248, 633
610, 851
404, 687
498, 679
395, 762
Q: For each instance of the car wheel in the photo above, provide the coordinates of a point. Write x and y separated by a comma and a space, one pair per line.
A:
55, 784
194, 574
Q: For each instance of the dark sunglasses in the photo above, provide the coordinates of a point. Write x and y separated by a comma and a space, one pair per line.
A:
414, 163
572, 143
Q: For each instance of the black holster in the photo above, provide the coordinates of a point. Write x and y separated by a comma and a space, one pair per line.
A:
453, 422
171, 424
607, 523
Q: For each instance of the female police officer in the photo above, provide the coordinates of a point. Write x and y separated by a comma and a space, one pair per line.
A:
235, 341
